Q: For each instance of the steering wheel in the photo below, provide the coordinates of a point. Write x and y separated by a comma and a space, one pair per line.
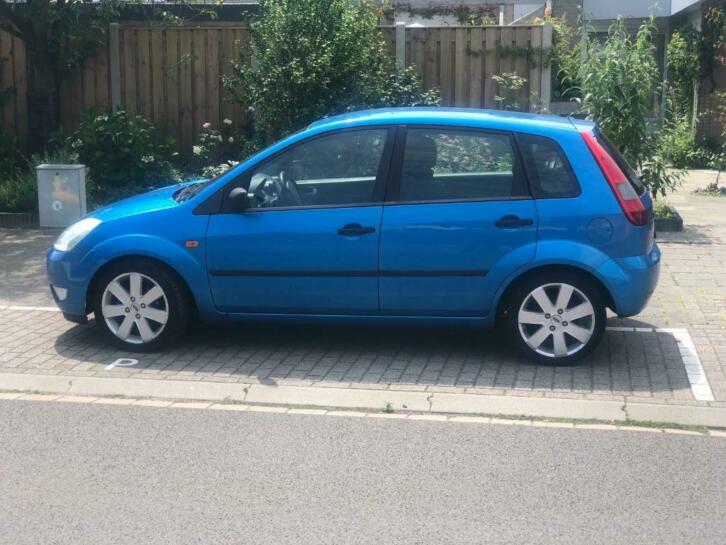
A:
266, 189
291, 189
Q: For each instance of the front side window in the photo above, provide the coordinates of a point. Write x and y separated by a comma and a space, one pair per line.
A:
549, 171
337, 169
453, 165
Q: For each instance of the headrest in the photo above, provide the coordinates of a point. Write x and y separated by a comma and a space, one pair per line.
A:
421, 152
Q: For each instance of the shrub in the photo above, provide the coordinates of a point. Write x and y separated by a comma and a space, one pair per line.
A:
510, 82
316, 58
396, 88
10, 157
19, 190
662, 210
217, 150
683, 68
677, 145
656, 174
565, 59
619, 80
121, 151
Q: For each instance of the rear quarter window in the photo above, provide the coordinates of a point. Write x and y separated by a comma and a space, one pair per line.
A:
547, 167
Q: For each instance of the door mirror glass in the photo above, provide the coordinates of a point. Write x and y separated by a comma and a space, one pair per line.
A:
239, 199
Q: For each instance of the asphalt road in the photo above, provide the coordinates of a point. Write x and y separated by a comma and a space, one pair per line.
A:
79, 473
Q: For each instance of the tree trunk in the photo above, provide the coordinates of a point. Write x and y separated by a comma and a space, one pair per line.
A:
43, 99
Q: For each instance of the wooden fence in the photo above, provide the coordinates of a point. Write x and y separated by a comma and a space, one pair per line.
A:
172, 75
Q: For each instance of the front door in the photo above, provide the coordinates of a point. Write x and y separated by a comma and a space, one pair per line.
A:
310, 242
458, 220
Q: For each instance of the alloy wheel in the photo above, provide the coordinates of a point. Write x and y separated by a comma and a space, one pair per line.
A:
135, 308
556, 320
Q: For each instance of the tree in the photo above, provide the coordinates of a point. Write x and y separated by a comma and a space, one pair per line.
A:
619, 80
58, 36
315, 58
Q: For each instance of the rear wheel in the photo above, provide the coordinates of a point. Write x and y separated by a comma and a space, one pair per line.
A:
141, 306
556, 318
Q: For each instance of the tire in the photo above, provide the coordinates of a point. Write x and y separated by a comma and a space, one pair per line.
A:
141, 306
543, 333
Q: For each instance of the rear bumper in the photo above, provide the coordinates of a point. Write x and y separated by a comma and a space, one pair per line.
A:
632, 280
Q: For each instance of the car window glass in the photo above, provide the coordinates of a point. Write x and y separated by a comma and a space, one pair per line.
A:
450, 164
549, 171
337, 169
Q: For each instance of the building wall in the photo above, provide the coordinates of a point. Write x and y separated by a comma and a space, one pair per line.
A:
570, 9
709, 125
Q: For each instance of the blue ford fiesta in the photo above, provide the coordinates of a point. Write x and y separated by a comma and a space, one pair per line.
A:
430, 216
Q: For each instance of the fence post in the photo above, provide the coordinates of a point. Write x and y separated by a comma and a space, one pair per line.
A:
546, 70
400, 45
115, 65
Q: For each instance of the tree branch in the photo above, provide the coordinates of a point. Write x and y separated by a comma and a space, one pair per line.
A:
11, 22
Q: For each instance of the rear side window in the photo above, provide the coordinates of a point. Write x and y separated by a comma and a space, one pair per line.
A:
459, 165
630, 174
549, 171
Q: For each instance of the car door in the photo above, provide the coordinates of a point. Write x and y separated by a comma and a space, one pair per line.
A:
458, 220
309, 241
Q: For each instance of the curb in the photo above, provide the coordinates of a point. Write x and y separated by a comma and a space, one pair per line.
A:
368, 399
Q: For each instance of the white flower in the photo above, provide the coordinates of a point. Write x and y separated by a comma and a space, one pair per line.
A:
206, 125
227, 121
219, 137
230, 139
196, 150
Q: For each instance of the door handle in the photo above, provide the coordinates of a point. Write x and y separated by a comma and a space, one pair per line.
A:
355, 229
512, 221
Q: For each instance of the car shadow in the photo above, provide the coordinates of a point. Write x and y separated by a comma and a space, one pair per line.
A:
625, 363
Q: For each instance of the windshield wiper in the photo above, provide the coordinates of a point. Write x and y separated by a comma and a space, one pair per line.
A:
186, 193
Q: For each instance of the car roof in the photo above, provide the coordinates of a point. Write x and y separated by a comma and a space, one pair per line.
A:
496, 119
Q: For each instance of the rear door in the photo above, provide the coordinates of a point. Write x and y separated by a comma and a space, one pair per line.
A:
458, 220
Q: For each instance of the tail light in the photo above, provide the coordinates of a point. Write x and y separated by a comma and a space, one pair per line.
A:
619, 183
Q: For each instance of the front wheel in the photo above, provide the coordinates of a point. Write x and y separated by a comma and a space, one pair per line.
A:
556, 318
141, 306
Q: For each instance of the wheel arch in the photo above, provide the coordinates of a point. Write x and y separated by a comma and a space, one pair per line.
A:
93, 284
518, 280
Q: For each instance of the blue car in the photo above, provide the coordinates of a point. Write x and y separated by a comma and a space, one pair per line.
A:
418, 216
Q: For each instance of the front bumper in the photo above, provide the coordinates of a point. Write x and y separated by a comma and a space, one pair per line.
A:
69, 274
632, 280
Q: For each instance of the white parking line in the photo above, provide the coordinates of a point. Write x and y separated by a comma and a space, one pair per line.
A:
700, 388
27, 308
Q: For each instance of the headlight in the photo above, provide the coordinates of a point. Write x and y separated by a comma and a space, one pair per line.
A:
75, 233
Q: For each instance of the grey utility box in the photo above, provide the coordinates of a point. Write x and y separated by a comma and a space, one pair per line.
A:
61, 194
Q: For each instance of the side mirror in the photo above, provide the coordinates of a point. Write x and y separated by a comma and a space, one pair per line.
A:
239, 199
